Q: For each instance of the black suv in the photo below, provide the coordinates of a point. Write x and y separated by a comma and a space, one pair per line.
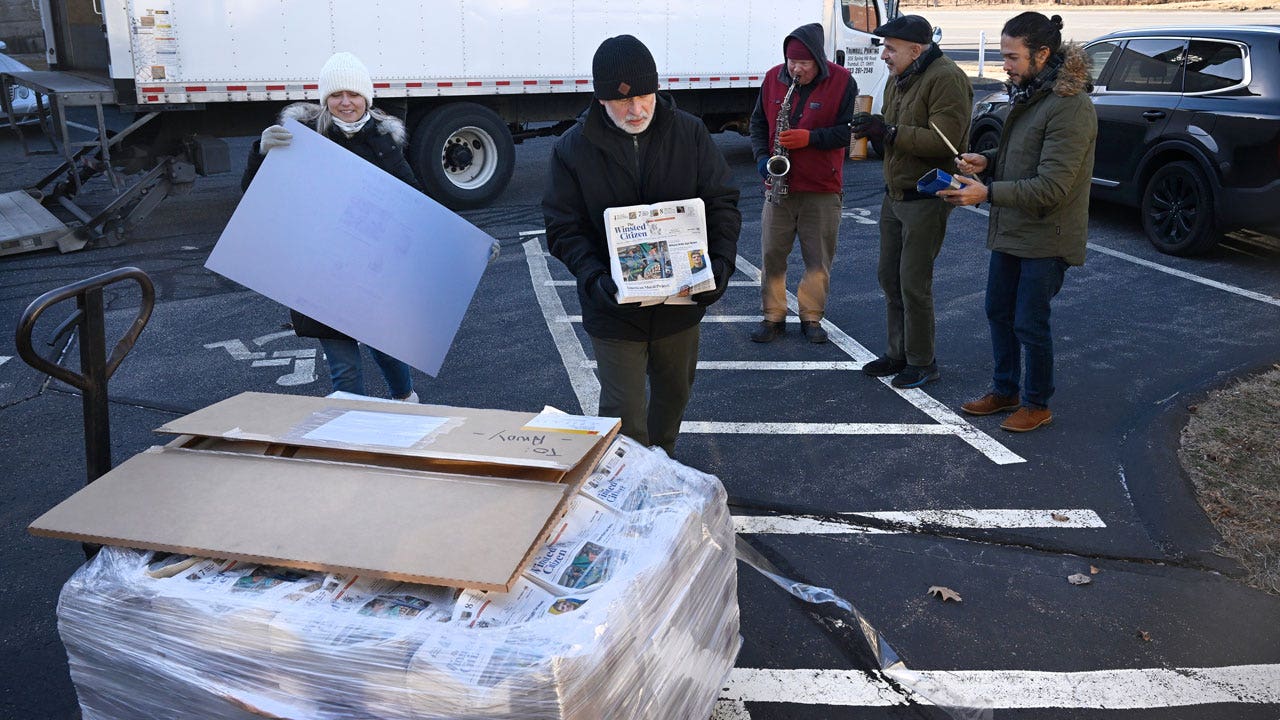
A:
1188, 129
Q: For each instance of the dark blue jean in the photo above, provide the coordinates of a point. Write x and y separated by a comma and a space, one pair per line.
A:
346, 368
1018, 294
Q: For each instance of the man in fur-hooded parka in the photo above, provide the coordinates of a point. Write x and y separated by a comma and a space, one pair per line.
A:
1037, 181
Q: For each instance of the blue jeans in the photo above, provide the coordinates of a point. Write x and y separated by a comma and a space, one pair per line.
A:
346, 368
1018, 295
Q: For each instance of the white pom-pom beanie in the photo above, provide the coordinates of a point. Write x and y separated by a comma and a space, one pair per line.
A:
344, 71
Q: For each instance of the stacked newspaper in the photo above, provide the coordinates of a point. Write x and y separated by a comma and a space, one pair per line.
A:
658, 253
629, 611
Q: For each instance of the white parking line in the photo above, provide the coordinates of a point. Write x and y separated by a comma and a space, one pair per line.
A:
1135, 689
770, 428
1260, 297
587, 387
792, 365
581, 378
1187, 276
1073, 518
981, 441
5, 358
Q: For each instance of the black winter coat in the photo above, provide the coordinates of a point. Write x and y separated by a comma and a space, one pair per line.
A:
596, 165
380, 141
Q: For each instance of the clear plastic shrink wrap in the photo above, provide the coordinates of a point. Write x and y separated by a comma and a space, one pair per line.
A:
629, 612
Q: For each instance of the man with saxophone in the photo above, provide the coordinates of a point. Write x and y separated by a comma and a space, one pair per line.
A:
799, 135
926, 106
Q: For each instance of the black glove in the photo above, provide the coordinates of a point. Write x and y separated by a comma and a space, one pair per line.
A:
721, 270
604, 291
762, 165
866, 125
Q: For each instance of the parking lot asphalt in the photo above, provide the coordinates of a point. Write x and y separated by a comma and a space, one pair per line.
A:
874, 493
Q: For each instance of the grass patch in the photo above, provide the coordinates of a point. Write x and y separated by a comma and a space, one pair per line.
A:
1231, 449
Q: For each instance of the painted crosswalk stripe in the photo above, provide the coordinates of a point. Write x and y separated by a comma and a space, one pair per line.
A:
1125, 689
1073, 518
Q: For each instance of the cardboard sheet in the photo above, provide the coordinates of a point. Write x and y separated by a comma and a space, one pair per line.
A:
331, 235
482, 436
411, 526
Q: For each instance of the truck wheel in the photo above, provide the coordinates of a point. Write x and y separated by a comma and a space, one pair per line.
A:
1177, 210
463, 154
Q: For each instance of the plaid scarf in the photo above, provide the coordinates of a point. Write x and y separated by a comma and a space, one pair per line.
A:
1045, 78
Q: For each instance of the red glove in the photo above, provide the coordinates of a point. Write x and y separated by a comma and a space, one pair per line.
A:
794, 139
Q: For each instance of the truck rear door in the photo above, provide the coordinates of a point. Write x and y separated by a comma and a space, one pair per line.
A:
858, 49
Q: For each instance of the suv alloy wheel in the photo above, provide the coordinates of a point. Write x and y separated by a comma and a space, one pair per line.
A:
1177, 210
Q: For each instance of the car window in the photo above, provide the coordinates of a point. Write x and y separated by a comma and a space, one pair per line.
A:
1149, 65
1099, 54
1213, 65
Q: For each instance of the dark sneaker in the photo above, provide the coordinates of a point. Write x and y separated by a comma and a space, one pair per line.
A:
884, 367
1027, 419
990, 404
768, 331
913, 376
813, 330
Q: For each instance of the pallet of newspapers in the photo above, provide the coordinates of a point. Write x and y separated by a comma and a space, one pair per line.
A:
627, 609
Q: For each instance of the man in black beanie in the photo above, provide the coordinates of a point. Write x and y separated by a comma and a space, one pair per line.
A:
633, 147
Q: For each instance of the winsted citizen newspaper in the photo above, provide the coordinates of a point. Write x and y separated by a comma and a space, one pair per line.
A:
658, 253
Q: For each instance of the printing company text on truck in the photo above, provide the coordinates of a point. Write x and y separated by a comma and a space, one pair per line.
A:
470, 77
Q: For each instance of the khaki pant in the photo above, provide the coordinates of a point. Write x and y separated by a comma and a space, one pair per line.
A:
911, 233
815, 219
668, 364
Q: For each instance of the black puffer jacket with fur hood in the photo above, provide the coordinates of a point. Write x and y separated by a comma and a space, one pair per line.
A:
380, 141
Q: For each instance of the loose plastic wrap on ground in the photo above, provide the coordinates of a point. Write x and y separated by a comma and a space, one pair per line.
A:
630, 613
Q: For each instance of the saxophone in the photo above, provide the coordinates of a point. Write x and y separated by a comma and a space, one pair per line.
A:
780, 164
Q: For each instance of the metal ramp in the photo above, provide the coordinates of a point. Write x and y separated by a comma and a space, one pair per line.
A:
25, 225
82, 161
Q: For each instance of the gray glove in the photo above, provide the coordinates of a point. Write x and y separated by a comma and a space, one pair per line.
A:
494, 249
274, 137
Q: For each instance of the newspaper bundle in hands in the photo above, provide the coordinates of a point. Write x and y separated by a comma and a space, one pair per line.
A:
658, 253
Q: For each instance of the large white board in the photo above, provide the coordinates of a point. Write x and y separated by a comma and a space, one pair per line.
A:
331, 235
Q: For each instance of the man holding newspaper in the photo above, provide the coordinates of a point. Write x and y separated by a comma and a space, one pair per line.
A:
640, 197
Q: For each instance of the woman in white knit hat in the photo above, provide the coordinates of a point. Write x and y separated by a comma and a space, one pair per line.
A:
346, 116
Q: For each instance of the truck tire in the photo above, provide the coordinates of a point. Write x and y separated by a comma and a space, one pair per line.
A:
463, 154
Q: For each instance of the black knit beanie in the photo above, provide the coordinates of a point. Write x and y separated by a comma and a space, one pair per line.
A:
623, 67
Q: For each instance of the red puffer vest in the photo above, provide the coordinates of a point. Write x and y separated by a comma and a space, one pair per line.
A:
812, 170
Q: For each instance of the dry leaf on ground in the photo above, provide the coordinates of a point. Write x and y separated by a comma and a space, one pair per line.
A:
1144, 636
945, 593
1059, 517
1079, 579
1093, 570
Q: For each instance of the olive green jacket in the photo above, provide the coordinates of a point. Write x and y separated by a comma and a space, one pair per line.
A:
1041, 170
941, 94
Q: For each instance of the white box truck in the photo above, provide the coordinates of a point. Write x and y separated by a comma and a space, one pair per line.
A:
470, 77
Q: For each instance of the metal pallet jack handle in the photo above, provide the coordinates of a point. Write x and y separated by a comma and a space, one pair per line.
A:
95, 366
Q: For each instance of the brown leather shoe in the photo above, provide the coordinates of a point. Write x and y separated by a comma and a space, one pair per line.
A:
990, 404
1027, 419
